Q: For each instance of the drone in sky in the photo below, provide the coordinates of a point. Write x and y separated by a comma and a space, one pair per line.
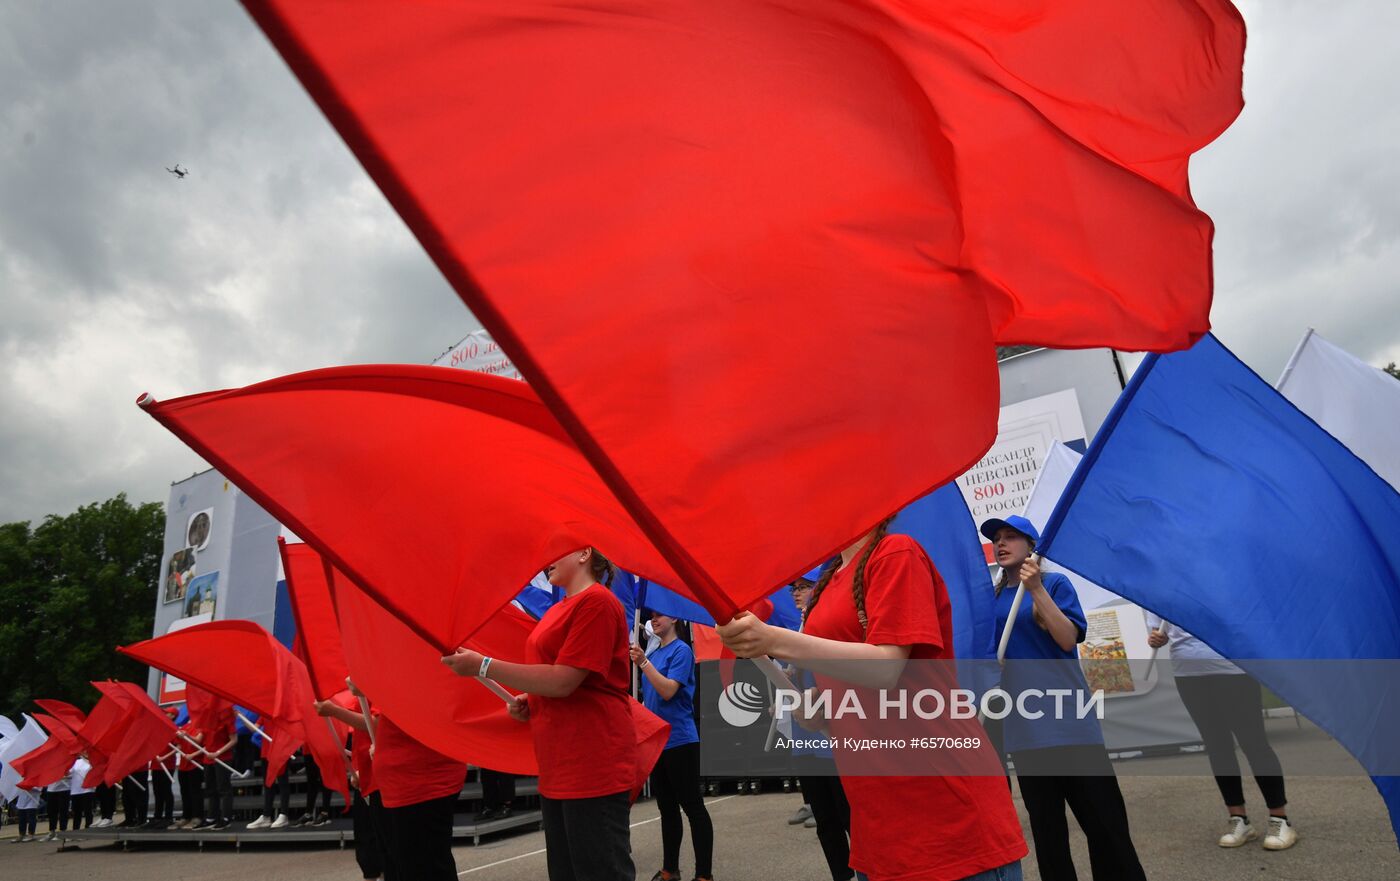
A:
178, 171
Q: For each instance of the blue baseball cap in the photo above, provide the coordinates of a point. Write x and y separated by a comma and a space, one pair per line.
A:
1016, 522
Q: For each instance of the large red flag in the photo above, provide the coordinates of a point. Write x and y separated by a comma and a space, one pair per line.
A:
754, 255
463, 485
242, 663
456, 716
453, 715
51, 760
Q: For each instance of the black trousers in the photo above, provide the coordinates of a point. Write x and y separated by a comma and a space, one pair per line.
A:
588, 839
387, 846
218, 793
1096, 801
164, 796
134, 801
420, 840
675, 781
1229, 707
826, 797
369, 850
80, 806
191, 793
28, 821
106, 797
316, 788
283, 786
58, 810
497, 789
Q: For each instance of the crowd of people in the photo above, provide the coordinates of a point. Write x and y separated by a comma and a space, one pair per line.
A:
880, 600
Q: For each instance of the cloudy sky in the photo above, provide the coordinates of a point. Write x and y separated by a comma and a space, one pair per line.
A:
277, 254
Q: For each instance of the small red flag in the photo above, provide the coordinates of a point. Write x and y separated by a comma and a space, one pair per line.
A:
147, 735
63, 712
51, 760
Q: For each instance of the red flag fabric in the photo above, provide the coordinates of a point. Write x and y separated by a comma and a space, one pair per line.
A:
443, 568
563, 163
318, 634
446, 712
147, 735
744, 248
48, 762
242, 663
208, 711
106, 727
64, 712
451, 714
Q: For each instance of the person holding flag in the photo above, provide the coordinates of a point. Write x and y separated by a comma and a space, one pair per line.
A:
1058, 761
366, 809
668, 690
576, 677
883, 600
189, 773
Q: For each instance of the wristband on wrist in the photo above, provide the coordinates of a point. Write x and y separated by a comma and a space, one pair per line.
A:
485, 665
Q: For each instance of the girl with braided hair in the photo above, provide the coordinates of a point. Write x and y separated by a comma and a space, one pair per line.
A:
883, 600
577, 677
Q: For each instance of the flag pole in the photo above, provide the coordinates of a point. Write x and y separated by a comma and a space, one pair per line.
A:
231, 769
252, 725
1011, 618
495, 688
1293, 359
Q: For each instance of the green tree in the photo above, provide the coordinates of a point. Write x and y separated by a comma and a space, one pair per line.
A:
1392, 369
71, 590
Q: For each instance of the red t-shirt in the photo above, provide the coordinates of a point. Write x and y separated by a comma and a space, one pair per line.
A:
586, 743
926, 828
408, 772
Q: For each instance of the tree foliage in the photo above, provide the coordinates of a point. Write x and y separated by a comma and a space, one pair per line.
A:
71, 590
1392, 369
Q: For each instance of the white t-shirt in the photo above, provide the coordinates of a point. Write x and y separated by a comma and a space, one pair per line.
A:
76, 774
1190, 656
26, 800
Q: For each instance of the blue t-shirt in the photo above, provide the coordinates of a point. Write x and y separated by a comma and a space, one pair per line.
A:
675, 661
1043, 666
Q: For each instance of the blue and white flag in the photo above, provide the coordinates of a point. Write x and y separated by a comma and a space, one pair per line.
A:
1211, 500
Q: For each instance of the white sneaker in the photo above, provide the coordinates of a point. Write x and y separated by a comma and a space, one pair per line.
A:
281, 822
1281, 835
800, 816
52, 836
1239, 833
262, 822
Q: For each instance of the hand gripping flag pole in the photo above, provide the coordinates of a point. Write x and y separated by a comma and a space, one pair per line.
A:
231, 769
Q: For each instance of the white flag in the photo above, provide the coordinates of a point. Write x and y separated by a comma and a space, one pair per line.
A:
29, 738
1356, 403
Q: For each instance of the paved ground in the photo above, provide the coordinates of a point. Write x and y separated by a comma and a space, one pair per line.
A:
1346, 836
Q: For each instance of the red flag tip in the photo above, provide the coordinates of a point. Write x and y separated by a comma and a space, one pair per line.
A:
145, 401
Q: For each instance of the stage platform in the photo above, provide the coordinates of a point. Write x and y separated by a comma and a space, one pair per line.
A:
339, 832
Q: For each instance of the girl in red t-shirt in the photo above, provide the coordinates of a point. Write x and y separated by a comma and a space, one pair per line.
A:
576, 677
883, 600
